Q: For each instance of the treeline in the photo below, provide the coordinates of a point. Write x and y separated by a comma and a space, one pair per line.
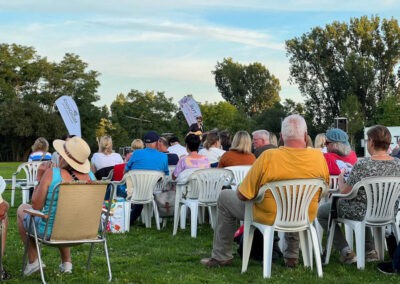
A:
342, 69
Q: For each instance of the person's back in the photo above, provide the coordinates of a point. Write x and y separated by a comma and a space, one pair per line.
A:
39, 151
105, 158
239, 153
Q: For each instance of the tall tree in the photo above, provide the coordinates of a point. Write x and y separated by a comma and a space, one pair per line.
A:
329, 64
29, 86
251, 88
138, 112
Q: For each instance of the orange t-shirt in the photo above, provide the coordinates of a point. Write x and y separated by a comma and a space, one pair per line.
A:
235, 158
280, 164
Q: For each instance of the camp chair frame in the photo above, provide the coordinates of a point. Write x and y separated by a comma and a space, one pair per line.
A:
73, 199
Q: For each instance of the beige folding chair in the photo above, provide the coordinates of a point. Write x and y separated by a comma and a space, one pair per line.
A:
30, 169
77, 220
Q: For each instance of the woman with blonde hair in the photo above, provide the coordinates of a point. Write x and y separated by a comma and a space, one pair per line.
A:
212, 149
239, 153
105, 159
135, 145
319, 142
39, 150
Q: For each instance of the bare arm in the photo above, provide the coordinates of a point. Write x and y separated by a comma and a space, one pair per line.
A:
40, 193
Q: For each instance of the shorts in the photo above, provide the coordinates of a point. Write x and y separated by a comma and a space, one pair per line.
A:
27, 218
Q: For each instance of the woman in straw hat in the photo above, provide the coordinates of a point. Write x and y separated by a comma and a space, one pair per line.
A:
73, 165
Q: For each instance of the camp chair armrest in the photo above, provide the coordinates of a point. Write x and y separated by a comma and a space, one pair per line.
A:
36, 213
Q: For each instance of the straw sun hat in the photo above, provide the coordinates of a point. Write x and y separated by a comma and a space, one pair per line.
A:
75, 152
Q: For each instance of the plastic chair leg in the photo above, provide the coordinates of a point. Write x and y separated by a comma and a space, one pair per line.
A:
320, 232
317, 252
379, 239
305, 248
12, 197
330, 241
156, 216
248, 234
349, 236
212, 210
359, 230
183, 216
194, 210
268, 238
176, 218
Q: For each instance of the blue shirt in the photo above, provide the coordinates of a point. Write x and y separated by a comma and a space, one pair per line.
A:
148, 159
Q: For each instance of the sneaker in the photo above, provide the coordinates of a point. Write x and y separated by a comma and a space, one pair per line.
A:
348, 258
32, 267
386, 268
371, 256
66, 267
212, 262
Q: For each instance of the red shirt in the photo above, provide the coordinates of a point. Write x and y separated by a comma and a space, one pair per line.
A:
331, 159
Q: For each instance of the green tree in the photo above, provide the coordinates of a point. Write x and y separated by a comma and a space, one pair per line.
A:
29, 86
329, 64
223, 115
138, 112
251, 88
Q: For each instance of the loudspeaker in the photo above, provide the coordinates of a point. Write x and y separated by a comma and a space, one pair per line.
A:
341, 123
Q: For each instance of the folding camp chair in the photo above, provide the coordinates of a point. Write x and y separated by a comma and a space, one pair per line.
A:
77, 220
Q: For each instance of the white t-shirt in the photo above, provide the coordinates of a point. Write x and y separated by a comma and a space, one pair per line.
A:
178, 149
213, 154
101, 160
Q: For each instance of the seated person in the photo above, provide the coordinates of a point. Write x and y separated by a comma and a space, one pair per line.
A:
39, 151
339, 153
193, 160
4, 220
105, 160
163, 148
239, 153
135, 145
212, 149
73, 165
379, 164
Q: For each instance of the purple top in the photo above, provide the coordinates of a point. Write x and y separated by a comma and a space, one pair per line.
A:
187, 162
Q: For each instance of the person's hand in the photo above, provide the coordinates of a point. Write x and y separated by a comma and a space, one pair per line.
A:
341, 180
42, 168
3, 209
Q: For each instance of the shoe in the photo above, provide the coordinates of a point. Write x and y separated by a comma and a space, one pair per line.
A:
386, 268
212, 262
349, 258
291, 262
66, 267
32, 267
371, 256
5, 275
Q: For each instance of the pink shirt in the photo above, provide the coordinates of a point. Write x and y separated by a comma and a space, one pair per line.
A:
187, 162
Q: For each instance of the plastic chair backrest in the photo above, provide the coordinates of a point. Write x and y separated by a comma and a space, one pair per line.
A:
333, 182
239, 173
30, 169
293, 198
206, 184
142, 184
79, 209
382, 193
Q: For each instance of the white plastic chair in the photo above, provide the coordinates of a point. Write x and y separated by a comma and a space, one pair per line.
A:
202, 188
140, 186
30, 169
239, 173
293, 198
382, 193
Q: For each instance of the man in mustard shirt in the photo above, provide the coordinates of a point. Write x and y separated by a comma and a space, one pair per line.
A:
291, 161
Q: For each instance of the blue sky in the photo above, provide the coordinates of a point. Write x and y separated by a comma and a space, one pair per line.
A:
173, 46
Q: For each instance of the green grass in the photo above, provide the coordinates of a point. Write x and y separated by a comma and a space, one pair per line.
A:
151, 256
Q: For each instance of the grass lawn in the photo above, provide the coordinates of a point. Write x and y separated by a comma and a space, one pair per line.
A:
151, 256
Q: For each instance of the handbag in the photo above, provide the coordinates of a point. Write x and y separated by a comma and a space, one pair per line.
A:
165, 201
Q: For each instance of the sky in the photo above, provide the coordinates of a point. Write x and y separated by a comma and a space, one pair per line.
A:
172, 46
